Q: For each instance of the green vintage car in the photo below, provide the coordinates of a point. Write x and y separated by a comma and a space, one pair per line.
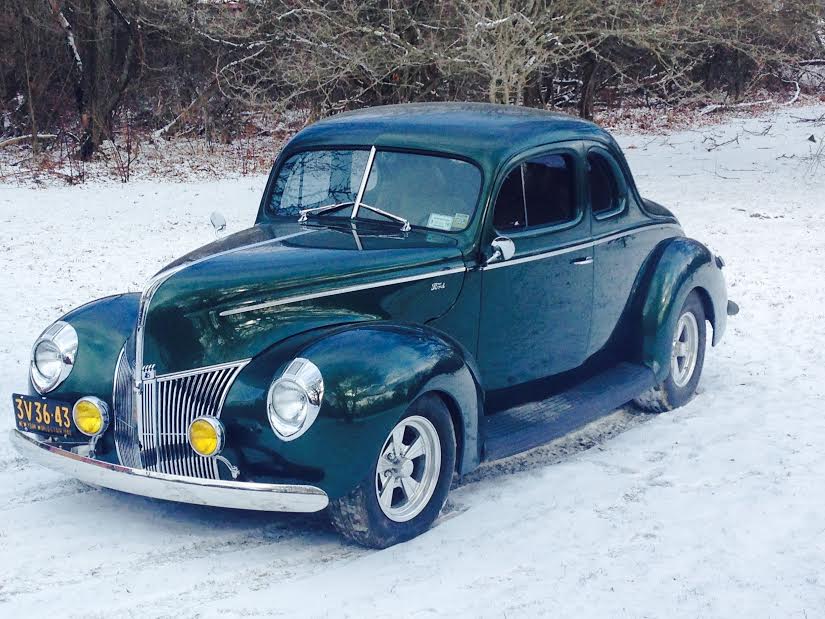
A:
425, 287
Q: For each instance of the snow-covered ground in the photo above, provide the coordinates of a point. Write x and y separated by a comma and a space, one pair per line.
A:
715, 510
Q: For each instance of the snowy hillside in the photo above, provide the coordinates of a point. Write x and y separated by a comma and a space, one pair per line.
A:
715, 510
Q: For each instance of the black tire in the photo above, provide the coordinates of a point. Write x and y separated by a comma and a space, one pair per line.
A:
358, 515
669, 394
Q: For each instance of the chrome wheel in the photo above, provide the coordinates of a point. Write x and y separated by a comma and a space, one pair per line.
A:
408, 468
685, 350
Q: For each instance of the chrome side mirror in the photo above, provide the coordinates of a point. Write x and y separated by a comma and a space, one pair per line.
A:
218, 222
503, 249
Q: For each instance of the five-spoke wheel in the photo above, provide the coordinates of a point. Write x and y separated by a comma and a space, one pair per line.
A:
408, 484
687, 357
685, 349
408, 468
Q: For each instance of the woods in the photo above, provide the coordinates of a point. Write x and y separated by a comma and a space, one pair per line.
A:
86, 70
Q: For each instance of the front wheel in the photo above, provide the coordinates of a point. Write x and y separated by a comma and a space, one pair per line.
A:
408, 484
686, 360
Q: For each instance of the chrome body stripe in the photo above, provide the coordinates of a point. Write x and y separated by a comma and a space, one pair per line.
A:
401, 280
337, 291
578, 246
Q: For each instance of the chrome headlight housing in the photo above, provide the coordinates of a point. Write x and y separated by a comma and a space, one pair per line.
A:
294, 399
53, 356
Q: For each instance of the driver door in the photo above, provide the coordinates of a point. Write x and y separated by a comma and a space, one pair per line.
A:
536, 306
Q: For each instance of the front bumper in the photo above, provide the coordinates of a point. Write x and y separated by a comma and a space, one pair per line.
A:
219, 493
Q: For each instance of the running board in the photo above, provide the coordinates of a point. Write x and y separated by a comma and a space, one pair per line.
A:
529, 425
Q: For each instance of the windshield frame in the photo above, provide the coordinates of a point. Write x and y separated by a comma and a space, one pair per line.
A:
286, 154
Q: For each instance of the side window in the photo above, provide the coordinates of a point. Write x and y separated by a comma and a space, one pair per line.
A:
509, 210
604, 188
549, 190
539, 192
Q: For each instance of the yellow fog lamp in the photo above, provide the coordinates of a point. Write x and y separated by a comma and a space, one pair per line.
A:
206, 436
91, 415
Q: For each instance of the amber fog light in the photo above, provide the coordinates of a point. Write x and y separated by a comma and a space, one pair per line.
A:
91, 416
206, 436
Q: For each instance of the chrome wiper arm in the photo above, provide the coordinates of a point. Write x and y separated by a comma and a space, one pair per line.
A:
320, 210
362, 187
356, 204
405, 225
330, 208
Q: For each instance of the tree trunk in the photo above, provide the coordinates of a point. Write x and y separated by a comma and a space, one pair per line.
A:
104, 104
589, 81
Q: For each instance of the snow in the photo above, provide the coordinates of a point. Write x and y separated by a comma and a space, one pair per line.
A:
714, 510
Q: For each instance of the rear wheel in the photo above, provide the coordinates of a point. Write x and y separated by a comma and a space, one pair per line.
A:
686, 361
408, 484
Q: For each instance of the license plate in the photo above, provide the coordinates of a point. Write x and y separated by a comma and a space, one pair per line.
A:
36, 414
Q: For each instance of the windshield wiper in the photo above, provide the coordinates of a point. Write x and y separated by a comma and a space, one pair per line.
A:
320, 210
357, 204
330, 208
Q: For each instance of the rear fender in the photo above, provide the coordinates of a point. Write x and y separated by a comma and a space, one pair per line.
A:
679, 265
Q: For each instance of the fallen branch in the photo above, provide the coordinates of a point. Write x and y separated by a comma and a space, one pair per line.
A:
716, 145
817, 120
796, 96
717, 107
156, 135
23, 138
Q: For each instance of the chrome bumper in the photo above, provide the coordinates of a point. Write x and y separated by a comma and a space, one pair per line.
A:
234, 494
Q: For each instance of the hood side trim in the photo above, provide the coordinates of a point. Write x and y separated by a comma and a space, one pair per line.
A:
337, 291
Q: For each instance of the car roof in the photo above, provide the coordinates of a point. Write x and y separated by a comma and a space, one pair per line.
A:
487, 133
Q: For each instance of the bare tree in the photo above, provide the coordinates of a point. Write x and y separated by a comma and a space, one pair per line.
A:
174, 66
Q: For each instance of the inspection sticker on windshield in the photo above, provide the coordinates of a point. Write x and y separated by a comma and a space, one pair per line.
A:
440, 222
460, 221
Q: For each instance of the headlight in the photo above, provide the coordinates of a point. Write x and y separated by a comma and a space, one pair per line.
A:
53, 356
294, 399
91, 415
206, 436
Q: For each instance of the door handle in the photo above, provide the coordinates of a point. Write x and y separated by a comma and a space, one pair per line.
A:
582, 261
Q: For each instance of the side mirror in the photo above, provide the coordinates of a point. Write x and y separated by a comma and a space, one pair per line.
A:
218, 222
503, 249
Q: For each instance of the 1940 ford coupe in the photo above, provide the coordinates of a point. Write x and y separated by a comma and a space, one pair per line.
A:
425, 287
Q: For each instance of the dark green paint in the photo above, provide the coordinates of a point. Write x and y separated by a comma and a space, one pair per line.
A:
535, 316
681, 265
186, 308
486, 333
364, 398
102, 326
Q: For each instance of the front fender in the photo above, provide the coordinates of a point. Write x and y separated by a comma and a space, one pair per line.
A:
102, 326
371, 375
682, 265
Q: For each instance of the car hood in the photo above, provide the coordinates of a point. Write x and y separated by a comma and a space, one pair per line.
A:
233, 298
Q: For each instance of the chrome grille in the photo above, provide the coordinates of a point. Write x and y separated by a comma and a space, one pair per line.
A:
126, 423
169, 403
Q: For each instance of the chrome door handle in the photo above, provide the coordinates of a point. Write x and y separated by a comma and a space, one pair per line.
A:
582, 261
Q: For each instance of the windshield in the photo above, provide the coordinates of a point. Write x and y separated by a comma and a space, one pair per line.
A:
429, 191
